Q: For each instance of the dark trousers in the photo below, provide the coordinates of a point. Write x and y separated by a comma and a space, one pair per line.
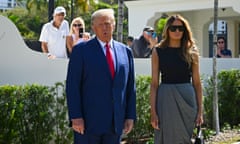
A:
107, 138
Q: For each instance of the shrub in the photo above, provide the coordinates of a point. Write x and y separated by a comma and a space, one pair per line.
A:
142, 128
228, 95
38, 114
33, 114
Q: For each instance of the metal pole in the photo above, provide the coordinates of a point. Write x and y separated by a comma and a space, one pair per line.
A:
215, 90
71, 10
50, 9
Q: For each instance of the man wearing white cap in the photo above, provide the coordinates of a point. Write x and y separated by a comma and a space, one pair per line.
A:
53, 35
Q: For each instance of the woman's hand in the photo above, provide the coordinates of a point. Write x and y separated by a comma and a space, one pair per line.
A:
199, 120
154, 121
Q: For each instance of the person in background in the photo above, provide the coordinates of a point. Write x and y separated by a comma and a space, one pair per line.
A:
77, 33
129, 41
53, 35
176, 103
222, 51
100, 85
142, 47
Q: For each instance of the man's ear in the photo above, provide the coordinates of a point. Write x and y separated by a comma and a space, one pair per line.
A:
114, 27
93, 29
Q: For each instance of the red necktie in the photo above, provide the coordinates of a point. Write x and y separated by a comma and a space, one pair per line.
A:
109, 60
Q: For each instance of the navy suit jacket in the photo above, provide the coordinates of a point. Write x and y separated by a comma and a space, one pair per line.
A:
104, 103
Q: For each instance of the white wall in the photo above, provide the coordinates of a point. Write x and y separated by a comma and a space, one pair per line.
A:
143, 66
20, 65
198, 13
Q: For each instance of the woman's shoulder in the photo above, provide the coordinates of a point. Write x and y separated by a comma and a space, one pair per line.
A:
159, 50
195, 51
195, 55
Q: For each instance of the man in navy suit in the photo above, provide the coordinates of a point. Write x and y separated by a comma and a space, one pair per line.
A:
101, 102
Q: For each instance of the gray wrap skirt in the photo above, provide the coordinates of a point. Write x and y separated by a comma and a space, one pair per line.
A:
177, 109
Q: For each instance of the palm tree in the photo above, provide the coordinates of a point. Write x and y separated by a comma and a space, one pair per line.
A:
37, 4
84, 5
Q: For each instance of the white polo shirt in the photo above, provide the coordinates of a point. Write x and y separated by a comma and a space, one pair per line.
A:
55, 38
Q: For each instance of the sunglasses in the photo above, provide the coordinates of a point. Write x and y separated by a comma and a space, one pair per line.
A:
77, 25
153, 34
220, 42
174, 28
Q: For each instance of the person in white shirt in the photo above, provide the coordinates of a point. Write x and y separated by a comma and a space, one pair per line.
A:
53, 35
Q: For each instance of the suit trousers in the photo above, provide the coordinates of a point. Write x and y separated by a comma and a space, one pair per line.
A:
107, 138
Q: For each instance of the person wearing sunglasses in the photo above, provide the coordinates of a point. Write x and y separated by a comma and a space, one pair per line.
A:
142, 47
176, 101
77, 33
222, 51
53, 35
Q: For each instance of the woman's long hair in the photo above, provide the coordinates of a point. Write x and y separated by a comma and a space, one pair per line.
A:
187, 41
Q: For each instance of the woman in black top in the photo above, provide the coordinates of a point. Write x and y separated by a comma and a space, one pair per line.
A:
176, 103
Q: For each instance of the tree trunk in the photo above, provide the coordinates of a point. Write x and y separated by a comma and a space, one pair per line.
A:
120, 21
215, 94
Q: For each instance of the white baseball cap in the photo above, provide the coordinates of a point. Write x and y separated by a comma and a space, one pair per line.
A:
59, 10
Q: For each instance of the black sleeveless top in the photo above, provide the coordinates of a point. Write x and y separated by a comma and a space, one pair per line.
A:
172, 67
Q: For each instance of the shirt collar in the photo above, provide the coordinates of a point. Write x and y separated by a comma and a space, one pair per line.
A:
103, 43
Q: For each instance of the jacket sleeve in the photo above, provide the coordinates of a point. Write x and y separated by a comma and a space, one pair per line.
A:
131, 89
73, 83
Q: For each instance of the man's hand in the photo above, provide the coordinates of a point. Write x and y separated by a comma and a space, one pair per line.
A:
78, 125
128, 125
219, 52
50, 56
153, 42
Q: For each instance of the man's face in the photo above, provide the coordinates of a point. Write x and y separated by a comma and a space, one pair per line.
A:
148, 35
129, 42
103, 27
58, 18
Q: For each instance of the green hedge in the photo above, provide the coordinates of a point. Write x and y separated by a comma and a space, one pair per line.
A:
38, 114
33, 114
142, 130
229, 98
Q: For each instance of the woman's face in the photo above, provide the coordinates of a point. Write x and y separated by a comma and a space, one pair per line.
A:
76, 26
176, 30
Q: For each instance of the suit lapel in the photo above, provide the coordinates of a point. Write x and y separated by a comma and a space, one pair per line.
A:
102, 57
117, 53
